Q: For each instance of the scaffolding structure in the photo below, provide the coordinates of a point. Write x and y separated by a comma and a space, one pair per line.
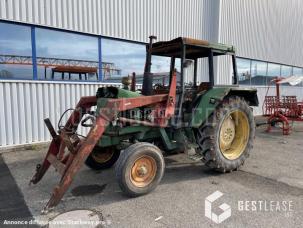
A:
108, 68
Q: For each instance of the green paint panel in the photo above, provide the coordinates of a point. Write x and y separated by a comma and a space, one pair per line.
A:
127, 93
207, 104
209, 101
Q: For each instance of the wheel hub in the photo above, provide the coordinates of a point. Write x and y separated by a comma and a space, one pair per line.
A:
143, 171
234, 134
227, 132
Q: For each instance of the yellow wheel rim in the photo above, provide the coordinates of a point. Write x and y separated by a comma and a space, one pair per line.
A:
143, 171
103, 156
234, 135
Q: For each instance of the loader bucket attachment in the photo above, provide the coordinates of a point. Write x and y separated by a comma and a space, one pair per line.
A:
68, 164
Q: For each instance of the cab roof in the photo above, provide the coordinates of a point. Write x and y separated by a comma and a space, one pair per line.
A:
194, 48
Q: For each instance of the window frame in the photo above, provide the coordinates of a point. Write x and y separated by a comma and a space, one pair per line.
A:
33, 28
251, 60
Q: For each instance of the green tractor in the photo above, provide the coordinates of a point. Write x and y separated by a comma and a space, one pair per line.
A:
134, 129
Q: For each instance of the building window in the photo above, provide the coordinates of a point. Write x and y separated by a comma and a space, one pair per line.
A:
160, 69
297, 71
274, 71
286, 71
244, 71
66, 56
15, 52
120, 59
259, 73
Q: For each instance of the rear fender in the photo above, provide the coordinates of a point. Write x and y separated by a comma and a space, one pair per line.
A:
211, 99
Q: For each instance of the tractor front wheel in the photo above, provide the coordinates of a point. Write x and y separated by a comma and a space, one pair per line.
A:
140, 169
102, 158
226, 138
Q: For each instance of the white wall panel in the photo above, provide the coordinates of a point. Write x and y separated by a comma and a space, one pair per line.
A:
24, 105
128, 19
269, 30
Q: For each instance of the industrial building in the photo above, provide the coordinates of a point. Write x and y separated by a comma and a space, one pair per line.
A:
52, 52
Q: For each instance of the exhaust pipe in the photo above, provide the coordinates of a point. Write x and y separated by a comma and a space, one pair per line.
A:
147, 87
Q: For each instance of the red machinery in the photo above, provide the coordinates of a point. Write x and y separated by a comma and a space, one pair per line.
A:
283, 109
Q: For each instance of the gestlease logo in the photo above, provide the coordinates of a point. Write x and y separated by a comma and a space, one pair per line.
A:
224, 207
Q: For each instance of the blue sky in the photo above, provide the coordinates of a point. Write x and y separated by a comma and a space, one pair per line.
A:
16, 40
65, 45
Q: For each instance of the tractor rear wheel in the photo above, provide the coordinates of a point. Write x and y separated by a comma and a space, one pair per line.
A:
102, 158
226, 138
140, 169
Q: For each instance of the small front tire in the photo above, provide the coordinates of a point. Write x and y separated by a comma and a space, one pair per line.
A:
140, 169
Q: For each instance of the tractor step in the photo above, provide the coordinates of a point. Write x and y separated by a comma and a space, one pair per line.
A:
195, 157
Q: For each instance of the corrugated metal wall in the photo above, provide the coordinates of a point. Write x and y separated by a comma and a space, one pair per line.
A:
24, 105
129, 19
269, 30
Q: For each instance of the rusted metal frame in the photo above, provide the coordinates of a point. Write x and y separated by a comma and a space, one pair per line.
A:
51, 129
171, 101
123, 104
41, 169
54, 148
61, 151
83, 105
286, 128
172, 68
85, 149
60, 167
132, 121
168, 106
181, 96
107, 114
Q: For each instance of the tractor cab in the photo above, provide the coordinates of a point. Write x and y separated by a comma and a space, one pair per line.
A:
189, 91
190, 51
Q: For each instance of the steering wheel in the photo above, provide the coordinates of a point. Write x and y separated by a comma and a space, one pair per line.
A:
158, 86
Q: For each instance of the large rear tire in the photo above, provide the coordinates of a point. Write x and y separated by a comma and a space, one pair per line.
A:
226, 138
140, 169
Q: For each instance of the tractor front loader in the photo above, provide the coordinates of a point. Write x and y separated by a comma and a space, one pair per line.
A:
134, 129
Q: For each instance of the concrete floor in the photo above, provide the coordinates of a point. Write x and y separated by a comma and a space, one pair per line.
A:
273, 172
